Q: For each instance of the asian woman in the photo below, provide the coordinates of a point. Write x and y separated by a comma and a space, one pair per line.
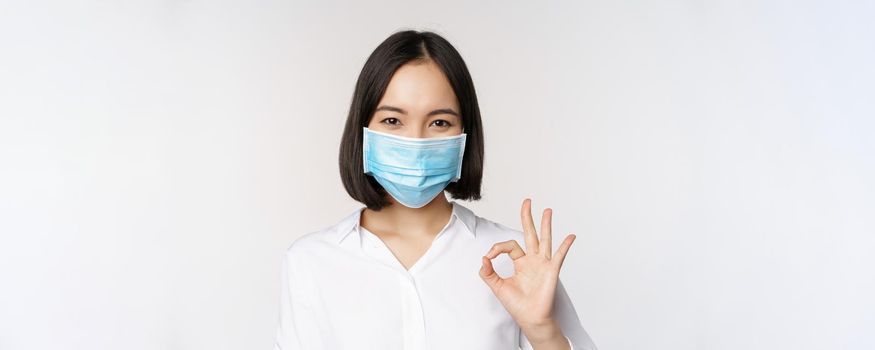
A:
412, 269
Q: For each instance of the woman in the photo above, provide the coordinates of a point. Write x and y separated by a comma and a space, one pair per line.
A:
412, 270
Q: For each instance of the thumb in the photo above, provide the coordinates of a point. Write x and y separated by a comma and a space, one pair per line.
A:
488, 274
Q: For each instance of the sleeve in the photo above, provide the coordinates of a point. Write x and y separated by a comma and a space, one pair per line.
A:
569, 323
296, 327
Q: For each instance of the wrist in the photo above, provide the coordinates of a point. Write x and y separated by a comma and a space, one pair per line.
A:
543, 332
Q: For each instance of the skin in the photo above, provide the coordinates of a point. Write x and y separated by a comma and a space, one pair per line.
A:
420, 88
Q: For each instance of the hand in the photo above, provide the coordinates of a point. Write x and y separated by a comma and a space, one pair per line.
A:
528, 294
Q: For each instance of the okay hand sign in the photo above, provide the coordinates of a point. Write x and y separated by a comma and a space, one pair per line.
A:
528, 294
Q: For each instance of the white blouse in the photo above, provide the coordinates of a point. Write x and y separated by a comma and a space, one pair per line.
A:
342, 288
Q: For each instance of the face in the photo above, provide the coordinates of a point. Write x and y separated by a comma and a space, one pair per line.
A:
419, 102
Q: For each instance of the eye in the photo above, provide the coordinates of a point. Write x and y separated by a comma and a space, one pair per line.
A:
391, 121
442, 123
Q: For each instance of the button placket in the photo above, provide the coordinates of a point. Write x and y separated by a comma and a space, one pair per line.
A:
412, 317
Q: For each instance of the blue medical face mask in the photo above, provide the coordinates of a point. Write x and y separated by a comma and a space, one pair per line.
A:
413, 170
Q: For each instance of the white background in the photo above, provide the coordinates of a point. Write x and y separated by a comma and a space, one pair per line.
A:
715, 158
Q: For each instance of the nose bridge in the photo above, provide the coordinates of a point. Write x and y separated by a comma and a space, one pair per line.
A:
416, 129
420, 132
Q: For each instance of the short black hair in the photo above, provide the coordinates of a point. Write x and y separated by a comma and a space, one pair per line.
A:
399, 48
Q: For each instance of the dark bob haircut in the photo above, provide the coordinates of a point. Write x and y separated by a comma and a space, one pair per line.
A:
398, 49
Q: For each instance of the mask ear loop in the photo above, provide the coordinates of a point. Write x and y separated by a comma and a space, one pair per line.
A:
461, 157
462, 154
365, 149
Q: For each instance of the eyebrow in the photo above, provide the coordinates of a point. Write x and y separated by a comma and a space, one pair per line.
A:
434, 112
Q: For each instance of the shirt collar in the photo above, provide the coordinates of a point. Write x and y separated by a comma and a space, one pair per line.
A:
351, 222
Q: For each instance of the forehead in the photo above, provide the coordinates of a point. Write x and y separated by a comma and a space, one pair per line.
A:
420, 86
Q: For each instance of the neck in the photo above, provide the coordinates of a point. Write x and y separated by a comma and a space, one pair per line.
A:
405, 221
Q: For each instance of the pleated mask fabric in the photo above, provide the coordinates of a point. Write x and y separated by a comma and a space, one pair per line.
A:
413, 170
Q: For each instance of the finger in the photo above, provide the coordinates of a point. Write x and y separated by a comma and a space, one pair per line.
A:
529, 226
559, 258
488, 274
546, 233
510, 247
